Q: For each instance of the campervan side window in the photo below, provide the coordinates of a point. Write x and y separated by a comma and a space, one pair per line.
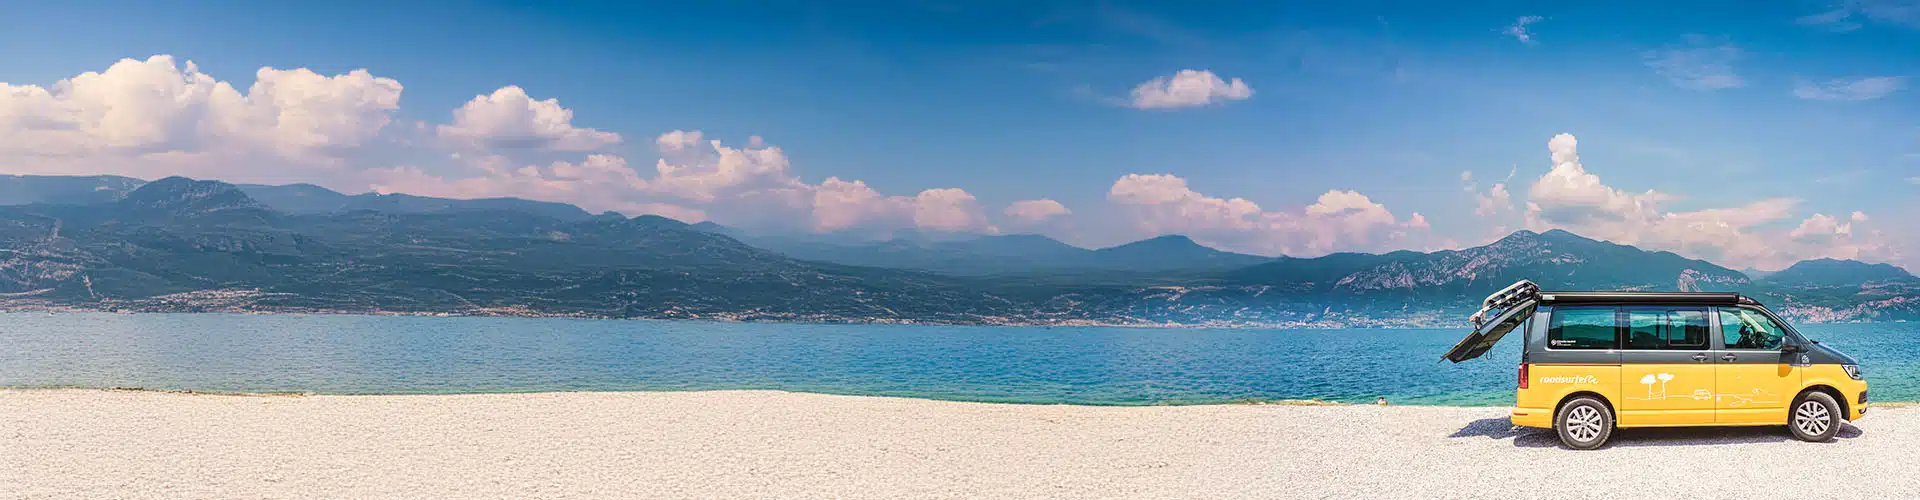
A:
1666, 328
1748, 329
1577, 327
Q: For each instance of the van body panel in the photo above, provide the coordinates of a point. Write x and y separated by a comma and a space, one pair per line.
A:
1755, 392
1666, 388
1533, 417
1756, 385
1551, 383
1831, 375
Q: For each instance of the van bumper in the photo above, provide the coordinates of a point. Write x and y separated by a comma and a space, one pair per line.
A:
1533, 417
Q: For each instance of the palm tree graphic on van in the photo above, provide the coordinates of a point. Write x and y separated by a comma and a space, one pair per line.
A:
1662, 379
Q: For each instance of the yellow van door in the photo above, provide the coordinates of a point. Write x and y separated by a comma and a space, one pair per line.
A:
1667, 373
1756, 381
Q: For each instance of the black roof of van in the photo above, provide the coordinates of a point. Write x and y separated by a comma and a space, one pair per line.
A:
1690, 298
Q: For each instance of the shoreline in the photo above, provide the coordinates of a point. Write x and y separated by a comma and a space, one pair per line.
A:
1234, 402
78, 443
195, 392
1364, 324
518, 313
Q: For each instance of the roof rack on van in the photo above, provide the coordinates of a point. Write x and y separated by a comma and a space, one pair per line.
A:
1514, 294
1525, 290
1676, 298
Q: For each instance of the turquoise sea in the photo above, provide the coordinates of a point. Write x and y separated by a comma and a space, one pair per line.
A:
1119, 366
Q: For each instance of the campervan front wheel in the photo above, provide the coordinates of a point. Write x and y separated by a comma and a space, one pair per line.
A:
1583, 423
1815, 417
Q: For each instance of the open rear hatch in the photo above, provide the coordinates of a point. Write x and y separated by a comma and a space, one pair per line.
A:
1511, 307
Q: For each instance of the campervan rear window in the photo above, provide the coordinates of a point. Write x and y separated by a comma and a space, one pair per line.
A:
1576, 327
1666, 328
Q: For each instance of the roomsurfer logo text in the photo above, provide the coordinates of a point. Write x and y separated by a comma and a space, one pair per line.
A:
1576, 379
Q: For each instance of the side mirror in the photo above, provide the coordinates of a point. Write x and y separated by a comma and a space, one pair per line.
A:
1789, 347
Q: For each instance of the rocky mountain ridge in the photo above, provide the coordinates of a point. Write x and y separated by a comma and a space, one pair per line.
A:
183, 245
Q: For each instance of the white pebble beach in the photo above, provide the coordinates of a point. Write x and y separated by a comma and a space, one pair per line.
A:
75, 443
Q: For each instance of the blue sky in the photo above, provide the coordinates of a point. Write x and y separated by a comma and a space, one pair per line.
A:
1748, 122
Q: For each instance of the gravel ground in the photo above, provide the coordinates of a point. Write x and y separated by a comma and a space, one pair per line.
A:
753, 444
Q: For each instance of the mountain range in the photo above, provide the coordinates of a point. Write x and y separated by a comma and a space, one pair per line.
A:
988, 255
176, 244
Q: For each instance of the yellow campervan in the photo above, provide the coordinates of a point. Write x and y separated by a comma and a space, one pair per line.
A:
1594, 361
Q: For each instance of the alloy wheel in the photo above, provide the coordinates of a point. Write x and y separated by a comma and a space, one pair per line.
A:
1812, 418
1583, 423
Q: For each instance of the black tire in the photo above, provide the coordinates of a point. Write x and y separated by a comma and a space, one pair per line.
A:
1814, 417
1583, 423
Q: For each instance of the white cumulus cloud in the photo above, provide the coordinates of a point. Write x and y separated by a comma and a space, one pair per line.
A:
1495, 201
1033, 211
701, 179
1339, 220
508, 118
1570, 197
948, 209
158, 117
1188, 88
598, 183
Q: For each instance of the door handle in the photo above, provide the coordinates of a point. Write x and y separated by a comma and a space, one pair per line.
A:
1700, 357
1728, 357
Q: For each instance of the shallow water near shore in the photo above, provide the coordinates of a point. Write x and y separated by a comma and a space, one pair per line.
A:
339, 354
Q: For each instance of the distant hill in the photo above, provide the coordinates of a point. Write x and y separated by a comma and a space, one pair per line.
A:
177, 198
1001, 254
711, 227
1171, 252
1830, 272
1556, 260
311, 199
982, 255
64, 190
297, 199
1828, 290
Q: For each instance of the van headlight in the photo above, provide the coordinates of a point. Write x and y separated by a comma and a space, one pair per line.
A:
1852, 371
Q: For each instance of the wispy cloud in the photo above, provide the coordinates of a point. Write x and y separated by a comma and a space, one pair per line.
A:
1844, 178
1836, 20
1519, 28
1700, 63
1848, 89
1846, 15
1144, 25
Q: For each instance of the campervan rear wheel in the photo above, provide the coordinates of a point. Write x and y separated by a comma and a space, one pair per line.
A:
1814, 417
1583, 423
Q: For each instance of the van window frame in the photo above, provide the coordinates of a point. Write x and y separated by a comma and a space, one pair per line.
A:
1619, 327
1787, 334
1626, 327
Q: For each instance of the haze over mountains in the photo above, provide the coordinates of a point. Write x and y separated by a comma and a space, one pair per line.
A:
113, 243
